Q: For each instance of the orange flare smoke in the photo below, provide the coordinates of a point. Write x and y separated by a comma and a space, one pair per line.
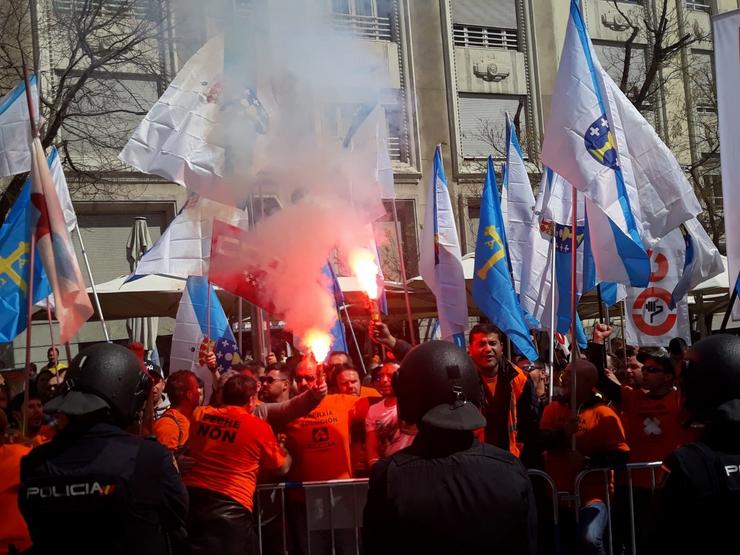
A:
363, 265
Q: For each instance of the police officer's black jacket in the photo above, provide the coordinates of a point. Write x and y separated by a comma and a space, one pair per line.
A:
453, 497
97, 489
699, 510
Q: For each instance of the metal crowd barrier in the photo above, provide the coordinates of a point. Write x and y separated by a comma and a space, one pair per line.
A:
345, 501
606, 473
331, 511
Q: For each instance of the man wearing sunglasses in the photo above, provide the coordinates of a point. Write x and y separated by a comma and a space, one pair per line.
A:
275, 386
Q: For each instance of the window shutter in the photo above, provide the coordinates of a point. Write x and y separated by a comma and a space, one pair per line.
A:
485, 13
483, 123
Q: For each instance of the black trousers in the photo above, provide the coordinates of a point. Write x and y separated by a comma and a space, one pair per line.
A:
218, 524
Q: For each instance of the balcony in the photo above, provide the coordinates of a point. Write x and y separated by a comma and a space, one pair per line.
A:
363, 26
140, 10
485, 37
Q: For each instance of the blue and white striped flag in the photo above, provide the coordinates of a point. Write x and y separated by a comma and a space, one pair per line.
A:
440, 261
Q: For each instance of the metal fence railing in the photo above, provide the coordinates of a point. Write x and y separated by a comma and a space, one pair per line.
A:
326, 517
363, 26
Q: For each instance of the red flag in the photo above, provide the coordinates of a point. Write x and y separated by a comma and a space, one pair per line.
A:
235, 265
72, 306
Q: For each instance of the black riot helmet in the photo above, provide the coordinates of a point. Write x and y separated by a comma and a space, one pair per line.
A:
711, 374
104, 376
438, 385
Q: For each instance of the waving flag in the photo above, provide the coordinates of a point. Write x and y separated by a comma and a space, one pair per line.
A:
702, 260
184, 249
556, 213
60, 184
231, 252
182, 136
15, 129
528, 248
339, 338
72, 306
580, 145
493, 290
535, 293
193, 337
440, 261
15, 245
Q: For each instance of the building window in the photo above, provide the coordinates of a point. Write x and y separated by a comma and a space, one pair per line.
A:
485, 37
338, 118
699, 5
613, 58
141, 9
389, 249
483, 124
101, 121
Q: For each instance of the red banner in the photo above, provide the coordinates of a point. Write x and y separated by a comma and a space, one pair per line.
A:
235, 266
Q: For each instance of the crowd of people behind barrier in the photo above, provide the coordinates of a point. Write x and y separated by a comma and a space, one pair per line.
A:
301, 421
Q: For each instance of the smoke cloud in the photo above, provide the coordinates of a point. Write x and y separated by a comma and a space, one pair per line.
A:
311, 137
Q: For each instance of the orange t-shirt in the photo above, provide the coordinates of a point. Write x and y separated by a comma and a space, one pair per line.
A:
517, 388
653, 428
599, 431
172, 429
371, 392
13, 529
229, 446
320, 441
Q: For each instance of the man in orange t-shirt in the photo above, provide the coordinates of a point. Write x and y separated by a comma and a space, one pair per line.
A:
13, 530
172, 429
653, 416
228, 446
320, 445
504, 385
347, 382
320, 441
599, 435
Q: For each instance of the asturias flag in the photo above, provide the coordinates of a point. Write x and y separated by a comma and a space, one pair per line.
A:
493, 290
15, 245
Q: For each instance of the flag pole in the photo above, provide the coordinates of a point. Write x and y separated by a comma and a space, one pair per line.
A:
573, 304
92, 283
32, 258
240, 316
354, 338
51, 329
726, 317
406, 298
208, 314
553, 246
622, 318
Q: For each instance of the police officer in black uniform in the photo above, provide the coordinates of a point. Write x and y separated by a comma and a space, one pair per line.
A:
96, 488
447, 493
699, 509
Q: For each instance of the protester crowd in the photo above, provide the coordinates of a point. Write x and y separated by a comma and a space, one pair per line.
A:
66, 458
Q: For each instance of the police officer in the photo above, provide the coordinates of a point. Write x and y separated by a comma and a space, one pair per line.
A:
96, 488
699, 509
447, 493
